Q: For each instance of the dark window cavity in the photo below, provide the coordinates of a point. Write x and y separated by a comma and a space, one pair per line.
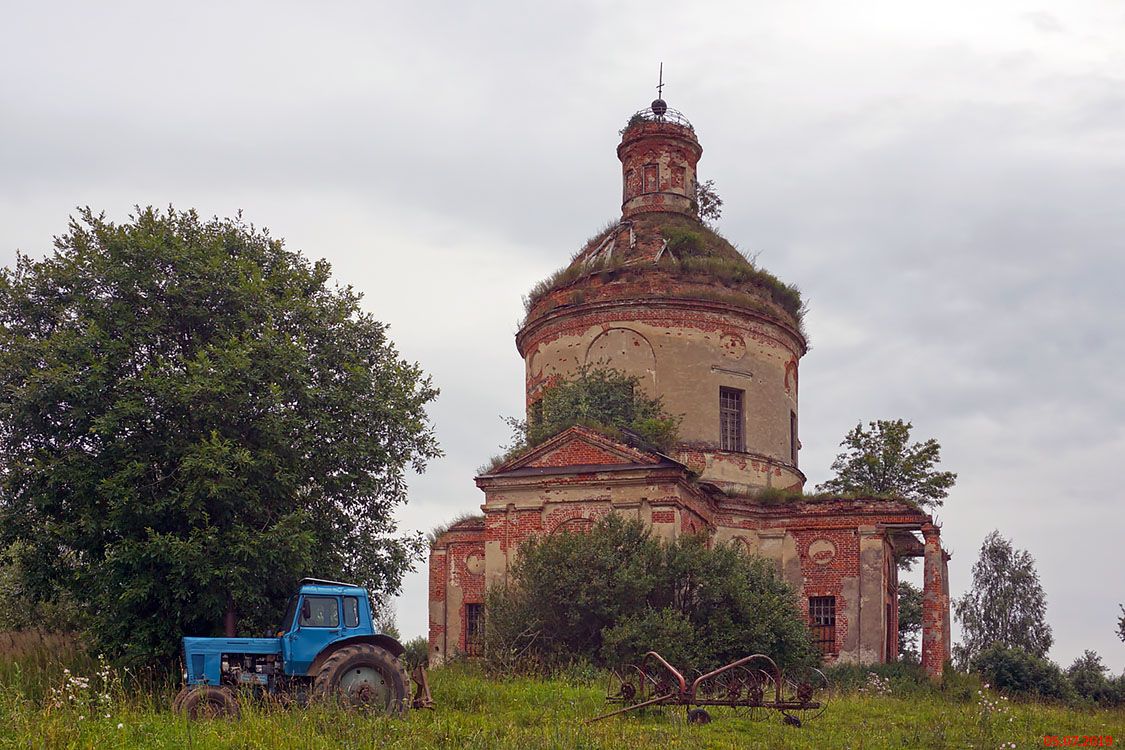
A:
474, 629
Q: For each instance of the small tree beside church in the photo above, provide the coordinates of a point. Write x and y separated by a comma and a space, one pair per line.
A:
1005, 606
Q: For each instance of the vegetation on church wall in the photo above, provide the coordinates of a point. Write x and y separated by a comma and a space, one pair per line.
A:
881, 461
785, 496
603, 399
436, 532
708, 204
615, 592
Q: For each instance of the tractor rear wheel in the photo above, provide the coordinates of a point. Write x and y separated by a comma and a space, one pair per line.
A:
364, 676
206, 702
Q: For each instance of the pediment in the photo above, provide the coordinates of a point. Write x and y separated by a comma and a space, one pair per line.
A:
581, 446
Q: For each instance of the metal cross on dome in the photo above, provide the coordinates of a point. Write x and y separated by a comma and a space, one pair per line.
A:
660, 86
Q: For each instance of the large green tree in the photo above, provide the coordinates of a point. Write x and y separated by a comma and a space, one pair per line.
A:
1005, 606
881, 460
193, 416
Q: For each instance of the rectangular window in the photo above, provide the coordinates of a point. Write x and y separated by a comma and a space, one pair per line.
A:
351, 612
474, 629
320, 612
652, 180
730, 420
793, 444
290, 613
679, 174
822, 623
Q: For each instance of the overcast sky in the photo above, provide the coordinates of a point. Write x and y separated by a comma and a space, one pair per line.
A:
944, 180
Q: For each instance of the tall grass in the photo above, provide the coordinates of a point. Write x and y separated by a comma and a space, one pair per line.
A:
474, 711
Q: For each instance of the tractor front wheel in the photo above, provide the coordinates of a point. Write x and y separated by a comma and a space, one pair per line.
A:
364, 676
206, 702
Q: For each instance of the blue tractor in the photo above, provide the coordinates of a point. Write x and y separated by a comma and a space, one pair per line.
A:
326, 648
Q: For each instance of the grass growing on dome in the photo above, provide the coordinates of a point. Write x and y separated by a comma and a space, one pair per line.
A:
568, 273
693, 251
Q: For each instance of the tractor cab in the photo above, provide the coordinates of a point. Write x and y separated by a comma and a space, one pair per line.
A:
323, 613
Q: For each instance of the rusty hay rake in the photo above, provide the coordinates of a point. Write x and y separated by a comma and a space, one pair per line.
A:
752, 687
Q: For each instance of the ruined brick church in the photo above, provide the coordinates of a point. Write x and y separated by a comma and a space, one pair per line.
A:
661, 296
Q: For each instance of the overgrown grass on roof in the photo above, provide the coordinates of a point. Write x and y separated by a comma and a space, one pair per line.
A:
780, 496
435, 533
693, 252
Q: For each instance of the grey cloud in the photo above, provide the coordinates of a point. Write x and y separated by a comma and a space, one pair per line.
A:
943, 184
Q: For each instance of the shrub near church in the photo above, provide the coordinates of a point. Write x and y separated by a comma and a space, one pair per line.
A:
609, 595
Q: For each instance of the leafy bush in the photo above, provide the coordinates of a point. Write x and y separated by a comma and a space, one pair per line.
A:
634, 635
21, 609
417, 652
1088, 677
615, 592
1015, 671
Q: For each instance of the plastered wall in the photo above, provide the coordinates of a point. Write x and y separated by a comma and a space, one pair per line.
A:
685, 357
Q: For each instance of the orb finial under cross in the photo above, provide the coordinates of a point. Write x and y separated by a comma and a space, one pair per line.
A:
659, 106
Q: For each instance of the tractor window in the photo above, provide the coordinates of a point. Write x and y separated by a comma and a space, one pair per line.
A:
351, 612
287, 620
320, 612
